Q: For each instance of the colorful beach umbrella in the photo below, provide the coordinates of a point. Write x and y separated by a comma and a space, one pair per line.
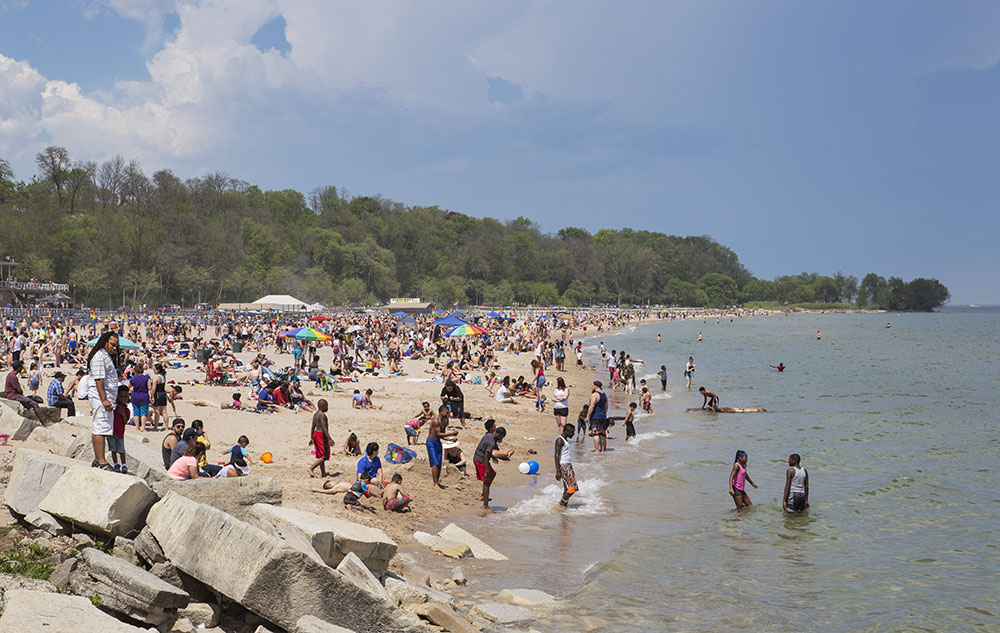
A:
123, 343
305, 334
466, 330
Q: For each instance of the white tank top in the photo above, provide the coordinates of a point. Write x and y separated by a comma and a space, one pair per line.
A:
798, 480
559, 399
566, 455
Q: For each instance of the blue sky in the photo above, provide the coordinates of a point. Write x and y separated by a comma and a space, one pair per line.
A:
851, 136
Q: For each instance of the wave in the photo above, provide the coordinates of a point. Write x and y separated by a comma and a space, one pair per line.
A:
586, 501
662, 396
649, 435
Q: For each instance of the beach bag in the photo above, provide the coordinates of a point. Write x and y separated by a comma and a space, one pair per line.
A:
478, 380
395, 454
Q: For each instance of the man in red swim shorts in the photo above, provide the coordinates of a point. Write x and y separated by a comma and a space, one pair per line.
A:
320, 438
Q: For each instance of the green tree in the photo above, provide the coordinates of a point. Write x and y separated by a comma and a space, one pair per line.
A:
55, 164
721, 290
873, 292
926, 294
826, 290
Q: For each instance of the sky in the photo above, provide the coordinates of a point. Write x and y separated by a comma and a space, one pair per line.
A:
850, 136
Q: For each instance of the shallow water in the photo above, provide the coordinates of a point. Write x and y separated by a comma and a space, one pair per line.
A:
897, 428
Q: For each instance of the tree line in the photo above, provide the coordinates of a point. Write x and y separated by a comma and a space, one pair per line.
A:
111, 231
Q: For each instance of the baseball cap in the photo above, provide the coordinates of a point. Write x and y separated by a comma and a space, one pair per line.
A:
190, 433
598, 383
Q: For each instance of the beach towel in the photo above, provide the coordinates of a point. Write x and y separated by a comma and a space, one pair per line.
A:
395, 454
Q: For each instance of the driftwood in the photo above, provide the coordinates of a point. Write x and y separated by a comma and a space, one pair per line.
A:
731, 410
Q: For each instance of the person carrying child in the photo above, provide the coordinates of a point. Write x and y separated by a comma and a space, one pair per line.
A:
116, 443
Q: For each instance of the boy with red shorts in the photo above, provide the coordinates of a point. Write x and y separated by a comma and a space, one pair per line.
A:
489, 450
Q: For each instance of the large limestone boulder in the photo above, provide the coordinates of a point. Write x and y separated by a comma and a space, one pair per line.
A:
143, 460
32, 476
263, 573
445, 617
360, 575
332, 539
312, 624
126, 589
408, 595
527, 597
234, 495
503, 614
41, 612
99, 501
479, 549
55, 439
443, 546
12, 423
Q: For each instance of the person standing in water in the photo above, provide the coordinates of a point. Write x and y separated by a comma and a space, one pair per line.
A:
819, 335
738, 478
796, 495
564, 463
779, 367
688, 370
663, 377
597, 417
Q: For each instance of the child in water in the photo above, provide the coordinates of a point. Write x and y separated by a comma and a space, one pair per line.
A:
629, 421
738, 478
796, 495
581, 423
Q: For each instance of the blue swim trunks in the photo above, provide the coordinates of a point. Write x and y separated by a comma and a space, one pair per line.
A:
140, 410
434, 451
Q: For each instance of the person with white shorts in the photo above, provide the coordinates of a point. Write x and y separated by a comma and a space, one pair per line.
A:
103, 375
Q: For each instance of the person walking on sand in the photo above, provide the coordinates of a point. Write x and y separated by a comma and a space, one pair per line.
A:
597, 417
319, 437
564, 463
437, 432
688, 371
796, 495
103, 368
738, 478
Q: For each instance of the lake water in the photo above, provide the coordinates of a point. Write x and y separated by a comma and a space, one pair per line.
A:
897, 428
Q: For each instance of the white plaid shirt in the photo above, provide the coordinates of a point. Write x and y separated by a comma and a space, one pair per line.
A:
103, 367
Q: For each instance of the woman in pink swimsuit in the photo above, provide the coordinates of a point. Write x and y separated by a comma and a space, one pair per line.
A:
738, 478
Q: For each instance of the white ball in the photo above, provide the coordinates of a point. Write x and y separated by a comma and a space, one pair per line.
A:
524, 468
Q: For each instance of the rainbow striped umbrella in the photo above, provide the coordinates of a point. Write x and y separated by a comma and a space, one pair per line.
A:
305, 334
466, 329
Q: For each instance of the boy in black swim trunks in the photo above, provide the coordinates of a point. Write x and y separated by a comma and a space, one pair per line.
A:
352, 498
629, 420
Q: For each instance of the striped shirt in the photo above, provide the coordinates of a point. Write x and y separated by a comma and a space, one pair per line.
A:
103, 368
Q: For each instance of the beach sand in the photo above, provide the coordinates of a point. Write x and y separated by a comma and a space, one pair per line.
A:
286, 435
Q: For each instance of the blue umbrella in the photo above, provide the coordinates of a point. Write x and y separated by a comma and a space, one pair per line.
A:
449, 321
123, 343
398, 314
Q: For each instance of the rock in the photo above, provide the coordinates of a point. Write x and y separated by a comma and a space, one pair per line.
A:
125, 550
263, 629
115, 504
353, 568
182, 625
31, 477
527, 597
61, 572
82, 540
147, 548
263, 573
458, 576
330, 538
233, 495
443, 546
55, 440
47, 522
445, 617
14, 424
312, 624
167, 573
504, 614
143, 460
127, 589
201, 613
479, 549
408, 595
41, 612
